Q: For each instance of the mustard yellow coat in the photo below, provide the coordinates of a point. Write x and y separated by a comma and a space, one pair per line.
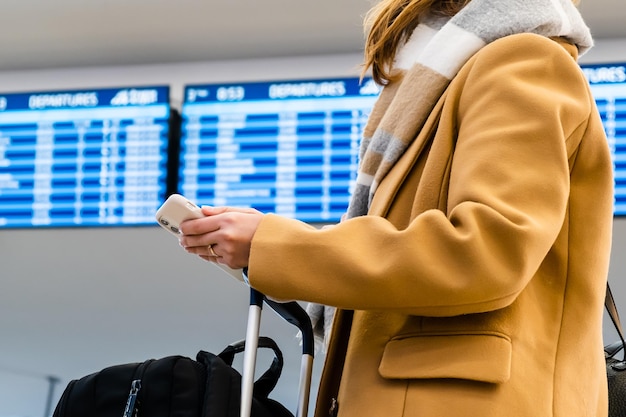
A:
478, 279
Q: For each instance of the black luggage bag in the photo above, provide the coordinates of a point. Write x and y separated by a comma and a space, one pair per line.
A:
178, 386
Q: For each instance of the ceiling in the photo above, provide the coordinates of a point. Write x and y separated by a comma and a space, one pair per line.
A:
41, 34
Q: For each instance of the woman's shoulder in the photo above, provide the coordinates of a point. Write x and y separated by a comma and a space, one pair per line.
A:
526, 68
529, 56
531, 46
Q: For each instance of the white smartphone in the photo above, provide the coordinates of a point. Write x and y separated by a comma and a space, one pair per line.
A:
175, 210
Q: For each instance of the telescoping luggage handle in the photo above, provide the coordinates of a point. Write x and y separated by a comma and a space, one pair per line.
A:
294, 314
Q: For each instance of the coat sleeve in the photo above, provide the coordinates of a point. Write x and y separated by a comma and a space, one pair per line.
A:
521, 107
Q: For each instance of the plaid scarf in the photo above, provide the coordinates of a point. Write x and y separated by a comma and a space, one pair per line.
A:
428, 61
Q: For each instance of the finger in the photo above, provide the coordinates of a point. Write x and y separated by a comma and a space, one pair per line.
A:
198, 226
213, 211
194, 244
205, 252
209, 258
191, 242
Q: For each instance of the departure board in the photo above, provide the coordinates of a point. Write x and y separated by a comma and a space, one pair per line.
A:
286, 147
608, 85
83, 158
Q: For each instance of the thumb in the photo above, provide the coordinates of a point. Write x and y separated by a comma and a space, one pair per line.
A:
211, 211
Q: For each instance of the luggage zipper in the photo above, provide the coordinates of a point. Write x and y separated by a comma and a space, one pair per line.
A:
131, 404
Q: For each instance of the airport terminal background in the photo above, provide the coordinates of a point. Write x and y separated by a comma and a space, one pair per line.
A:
76, 299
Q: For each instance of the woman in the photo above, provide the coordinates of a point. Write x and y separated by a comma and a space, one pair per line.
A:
471, 268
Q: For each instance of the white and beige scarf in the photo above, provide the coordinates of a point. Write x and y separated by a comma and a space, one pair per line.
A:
428, 61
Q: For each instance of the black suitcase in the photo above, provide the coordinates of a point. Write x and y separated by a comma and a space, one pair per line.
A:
177, 386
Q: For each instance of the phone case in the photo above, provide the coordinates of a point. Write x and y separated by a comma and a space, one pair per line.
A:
174, 211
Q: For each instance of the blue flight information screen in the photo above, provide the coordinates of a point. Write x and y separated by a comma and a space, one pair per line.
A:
286, 147
608, 85
83, 158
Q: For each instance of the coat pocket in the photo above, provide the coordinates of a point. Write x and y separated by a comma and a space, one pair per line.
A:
484, 357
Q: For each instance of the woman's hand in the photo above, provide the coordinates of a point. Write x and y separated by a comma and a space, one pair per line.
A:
223, 236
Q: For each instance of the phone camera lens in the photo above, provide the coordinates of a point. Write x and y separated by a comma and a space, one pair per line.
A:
164, 222
174, 229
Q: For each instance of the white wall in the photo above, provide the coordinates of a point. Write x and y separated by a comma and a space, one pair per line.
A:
75, 300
